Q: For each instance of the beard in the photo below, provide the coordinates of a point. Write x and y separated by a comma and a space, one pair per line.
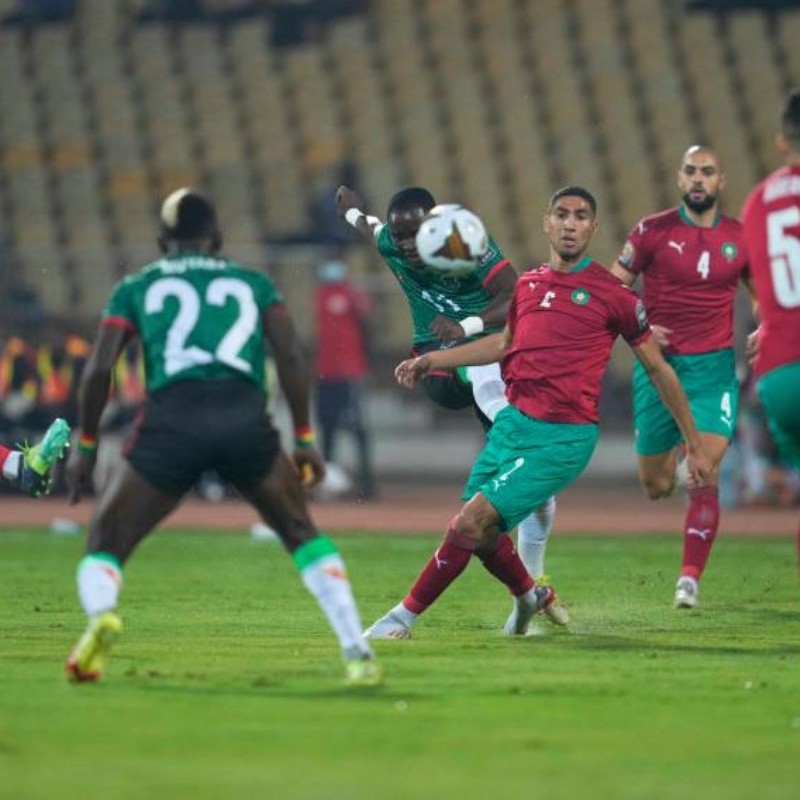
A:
699, 206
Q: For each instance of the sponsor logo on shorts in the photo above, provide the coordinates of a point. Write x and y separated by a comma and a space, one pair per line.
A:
501, 479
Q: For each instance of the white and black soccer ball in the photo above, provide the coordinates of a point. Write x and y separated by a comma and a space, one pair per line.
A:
451, 239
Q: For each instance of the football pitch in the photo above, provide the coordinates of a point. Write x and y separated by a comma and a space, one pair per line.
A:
227, 682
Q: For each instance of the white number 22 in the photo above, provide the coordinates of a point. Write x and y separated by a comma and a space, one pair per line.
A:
177, 356
784, 256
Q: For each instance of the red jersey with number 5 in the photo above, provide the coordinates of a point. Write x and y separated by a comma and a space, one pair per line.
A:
563, 326
771, 219
691, 277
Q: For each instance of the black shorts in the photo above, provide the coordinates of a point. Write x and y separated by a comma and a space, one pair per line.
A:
194, 426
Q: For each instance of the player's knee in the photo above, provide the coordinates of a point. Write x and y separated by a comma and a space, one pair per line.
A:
465, 530
658, 486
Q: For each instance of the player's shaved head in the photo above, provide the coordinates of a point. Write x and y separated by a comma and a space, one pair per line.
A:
700, 178
412, 198
790, 120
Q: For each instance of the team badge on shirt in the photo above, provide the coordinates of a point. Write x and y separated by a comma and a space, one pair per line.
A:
580, 297
729, 251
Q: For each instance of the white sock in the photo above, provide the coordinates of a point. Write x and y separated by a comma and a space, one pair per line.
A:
404, 615
11, 465
99, 583
532, 535
488, 389
326, 579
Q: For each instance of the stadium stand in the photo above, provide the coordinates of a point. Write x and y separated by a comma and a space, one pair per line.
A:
489, 102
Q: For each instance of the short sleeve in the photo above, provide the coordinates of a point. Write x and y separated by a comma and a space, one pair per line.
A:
511, 318
120, 309
268, 294
383, 241
637, 251
491, 262
631, 318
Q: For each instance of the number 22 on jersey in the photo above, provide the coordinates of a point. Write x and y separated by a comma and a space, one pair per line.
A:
179, 357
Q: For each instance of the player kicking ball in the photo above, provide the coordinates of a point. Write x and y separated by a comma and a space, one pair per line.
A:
562, 324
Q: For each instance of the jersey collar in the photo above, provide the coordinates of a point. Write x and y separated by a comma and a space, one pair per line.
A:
581, 265
689, 221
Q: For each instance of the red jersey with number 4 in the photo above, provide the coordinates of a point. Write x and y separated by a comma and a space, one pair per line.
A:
691, 277
563, 326
771, 219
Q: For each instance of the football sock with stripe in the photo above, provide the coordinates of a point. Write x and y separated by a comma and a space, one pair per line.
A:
532, 535
99, 582
324, 575
700, 529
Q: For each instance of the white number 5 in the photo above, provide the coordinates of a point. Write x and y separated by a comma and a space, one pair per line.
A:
784, 256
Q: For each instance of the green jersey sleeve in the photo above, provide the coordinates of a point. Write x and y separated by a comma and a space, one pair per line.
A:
121, 306
384, 243
492, 258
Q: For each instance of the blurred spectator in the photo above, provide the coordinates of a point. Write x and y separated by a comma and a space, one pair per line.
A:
39, 11
342, 314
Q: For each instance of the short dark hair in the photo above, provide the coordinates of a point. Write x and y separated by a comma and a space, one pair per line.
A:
790, 118
188, 216
575, 191
410, 199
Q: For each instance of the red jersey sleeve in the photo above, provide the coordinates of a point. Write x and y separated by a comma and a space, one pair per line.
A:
631, 318
637, 252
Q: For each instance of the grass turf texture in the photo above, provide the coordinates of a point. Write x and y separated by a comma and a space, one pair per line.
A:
227, 684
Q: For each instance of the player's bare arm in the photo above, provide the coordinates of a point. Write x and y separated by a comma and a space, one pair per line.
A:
485, 350
501, 288
665, 380
92, 397
293, 376
625, 275
350, 207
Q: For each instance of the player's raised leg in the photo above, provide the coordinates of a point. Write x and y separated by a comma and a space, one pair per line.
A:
127, 511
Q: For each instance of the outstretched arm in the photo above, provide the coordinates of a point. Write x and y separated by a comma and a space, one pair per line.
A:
486, 350
349, 206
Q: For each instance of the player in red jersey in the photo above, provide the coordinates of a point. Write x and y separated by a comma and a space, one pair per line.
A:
771, 219
562, 324
693, 258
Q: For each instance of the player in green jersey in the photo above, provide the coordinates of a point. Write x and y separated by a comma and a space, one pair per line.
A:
446, 311
202, 321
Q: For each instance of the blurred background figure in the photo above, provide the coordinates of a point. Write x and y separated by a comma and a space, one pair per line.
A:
342, 313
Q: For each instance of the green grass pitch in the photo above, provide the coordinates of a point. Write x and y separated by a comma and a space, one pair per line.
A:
227, 682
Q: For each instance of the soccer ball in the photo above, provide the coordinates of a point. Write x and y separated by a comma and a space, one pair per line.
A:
451, 239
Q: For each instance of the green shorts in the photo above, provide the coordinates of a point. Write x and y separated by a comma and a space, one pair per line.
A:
710, 383
779, 391
525, 461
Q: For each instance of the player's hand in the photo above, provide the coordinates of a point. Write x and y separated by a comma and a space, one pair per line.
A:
661, 335
446, 330
410, 371
753, 345
80, 467
699, 465
346, 199
310, 465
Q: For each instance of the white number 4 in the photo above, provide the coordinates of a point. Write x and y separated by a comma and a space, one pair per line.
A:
703, 264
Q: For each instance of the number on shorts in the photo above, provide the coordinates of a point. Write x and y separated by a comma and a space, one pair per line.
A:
725, 405
179, 357
784, 256
704, 264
